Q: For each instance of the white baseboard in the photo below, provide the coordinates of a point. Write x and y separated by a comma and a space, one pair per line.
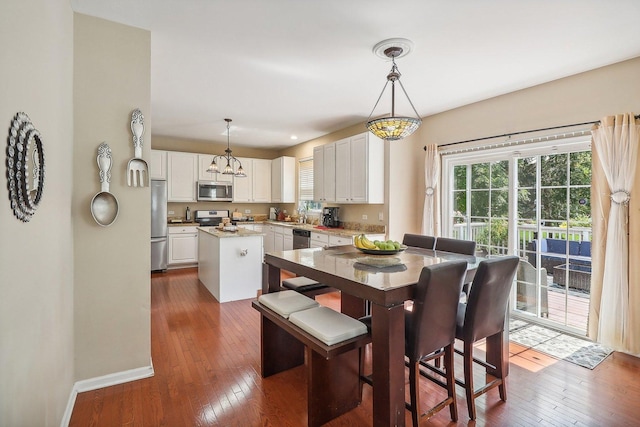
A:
101, 382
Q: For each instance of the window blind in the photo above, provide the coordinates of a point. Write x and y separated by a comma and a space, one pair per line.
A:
305, 179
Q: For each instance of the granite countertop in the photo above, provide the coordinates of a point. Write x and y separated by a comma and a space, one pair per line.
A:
241, 232
346, 232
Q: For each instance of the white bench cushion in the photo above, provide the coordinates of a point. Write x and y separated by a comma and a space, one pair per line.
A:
328, 325
286, 302
301, 283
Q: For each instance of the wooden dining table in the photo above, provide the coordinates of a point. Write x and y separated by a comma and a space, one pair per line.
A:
387, 288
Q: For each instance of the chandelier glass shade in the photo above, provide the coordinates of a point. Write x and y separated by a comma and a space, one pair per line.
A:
227, 158
394, 127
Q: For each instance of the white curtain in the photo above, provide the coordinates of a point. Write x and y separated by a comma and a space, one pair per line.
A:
616, 142
431, 213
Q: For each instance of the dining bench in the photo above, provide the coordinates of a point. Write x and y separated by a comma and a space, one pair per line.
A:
293, 325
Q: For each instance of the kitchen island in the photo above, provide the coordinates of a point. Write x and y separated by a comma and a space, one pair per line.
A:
230, 263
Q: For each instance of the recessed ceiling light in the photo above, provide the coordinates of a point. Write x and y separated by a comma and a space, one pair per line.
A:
294, 137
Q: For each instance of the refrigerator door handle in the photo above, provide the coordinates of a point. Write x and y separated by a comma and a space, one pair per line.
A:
158, 239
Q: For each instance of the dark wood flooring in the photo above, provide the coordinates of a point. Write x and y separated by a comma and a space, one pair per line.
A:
206, 359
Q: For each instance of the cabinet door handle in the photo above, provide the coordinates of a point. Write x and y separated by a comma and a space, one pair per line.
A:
243, 252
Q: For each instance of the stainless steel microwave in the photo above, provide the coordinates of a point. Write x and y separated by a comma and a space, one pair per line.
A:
211, 191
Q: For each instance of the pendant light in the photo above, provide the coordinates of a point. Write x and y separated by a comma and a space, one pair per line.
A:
394, 127
228, 158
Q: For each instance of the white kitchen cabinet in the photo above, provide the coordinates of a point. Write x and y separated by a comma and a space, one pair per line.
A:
319, 240
256, 186
324, 171
283, 180
183, 245
278, 239
269, 238
287, 238
230, 267
204, 160
359, 169
182, 175
340, 240
158, 165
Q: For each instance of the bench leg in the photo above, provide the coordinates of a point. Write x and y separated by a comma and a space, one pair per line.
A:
279, 350
333, 385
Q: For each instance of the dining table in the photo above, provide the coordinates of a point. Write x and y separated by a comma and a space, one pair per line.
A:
386, 282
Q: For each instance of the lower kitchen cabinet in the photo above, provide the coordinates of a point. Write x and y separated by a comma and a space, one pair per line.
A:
319, 240
340, 240
183, 245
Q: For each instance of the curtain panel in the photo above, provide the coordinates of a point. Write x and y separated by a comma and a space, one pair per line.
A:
431, 210
614, 314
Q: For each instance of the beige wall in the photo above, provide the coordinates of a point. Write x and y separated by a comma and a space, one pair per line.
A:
580, 98
112, 264
36, 258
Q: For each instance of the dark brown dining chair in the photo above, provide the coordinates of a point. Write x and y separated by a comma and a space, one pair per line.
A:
458, 246
483, 316
419, 241
429, 328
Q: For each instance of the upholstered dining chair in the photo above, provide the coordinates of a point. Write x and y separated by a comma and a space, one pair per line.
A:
458, 246
429, 328
484, 316
419, 241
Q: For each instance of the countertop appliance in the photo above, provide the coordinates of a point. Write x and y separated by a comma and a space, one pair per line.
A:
301, 238
211, 191
330, 217
211, 218
158, 225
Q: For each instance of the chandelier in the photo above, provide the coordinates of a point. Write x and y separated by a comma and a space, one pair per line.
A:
394, 127
229, 158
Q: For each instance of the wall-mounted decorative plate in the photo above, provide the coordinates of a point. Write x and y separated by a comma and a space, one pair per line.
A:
25, 167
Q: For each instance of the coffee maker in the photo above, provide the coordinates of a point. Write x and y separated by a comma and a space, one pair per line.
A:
330, 217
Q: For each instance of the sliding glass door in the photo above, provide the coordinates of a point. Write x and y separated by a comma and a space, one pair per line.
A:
533, 202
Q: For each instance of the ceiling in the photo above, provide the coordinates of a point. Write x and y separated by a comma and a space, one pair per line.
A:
292, 67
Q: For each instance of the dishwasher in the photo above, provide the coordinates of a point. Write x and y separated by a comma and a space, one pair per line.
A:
301, 238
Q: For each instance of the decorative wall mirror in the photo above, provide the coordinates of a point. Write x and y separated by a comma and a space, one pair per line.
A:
25, 167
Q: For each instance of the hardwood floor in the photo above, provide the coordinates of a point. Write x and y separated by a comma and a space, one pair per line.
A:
206, 358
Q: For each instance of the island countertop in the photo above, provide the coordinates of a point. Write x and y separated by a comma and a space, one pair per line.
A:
240, 232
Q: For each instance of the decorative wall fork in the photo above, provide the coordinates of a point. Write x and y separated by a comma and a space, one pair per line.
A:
137, 169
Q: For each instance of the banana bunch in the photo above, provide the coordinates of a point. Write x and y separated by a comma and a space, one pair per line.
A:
362, 242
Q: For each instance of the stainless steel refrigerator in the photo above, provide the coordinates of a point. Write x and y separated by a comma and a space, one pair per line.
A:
158, 225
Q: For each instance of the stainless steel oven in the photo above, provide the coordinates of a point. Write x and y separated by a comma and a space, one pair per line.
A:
301, 238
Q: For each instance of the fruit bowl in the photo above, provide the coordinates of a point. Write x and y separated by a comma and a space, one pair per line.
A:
381, 251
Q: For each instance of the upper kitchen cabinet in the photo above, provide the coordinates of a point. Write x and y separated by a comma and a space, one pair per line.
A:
204, 160
256, 186
359, 169
182, 175
283, 180
324, 173
158, 166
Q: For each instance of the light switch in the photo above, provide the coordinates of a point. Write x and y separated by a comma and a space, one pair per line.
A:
365, 217
171, 212
380, 216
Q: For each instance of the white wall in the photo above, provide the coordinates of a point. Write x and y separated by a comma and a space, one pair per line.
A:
36, 258
112, 281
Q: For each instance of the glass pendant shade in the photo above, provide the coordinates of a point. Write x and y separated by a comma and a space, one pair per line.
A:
394, 127
213, 167
228, 170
